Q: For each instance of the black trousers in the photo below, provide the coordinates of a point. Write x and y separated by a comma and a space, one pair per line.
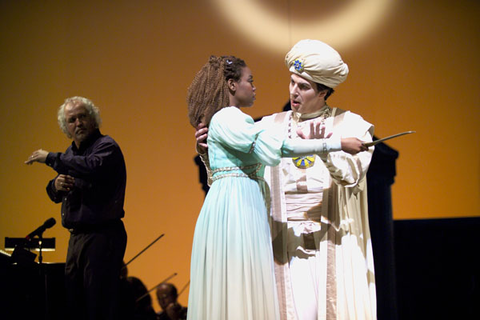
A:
92, 271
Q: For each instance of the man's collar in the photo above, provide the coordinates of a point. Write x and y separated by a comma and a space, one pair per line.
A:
307, 116
87, 142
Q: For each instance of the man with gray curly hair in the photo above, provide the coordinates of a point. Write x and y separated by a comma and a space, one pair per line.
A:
92, 110
90, 185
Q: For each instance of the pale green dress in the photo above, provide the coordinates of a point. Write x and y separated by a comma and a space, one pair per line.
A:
232, 270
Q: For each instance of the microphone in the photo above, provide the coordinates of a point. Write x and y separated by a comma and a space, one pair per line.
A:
46, 225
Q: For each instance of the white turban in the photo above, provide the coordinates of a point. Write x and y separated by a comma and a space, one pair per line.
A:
318, 62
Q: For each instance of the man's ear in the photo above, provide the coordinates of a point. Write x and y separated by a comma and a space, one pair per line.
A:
322, 94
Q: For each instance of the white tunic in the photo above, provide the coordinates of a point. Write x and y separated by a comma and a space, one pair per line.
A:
320, 231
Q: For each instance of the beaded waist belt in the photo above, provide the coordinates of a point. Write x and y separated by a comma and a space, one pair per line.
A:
237, 172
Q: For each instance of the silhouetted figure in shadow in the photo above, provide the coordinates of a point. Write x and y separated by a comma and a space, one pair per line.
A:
135, 303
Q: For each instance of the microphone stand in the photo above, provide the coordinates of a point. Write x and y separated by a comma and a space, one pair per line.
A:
43, 275
40, 247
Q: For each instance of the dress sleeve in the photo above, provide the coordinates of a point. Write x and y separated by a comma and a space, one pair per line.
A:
236, 130
303, 147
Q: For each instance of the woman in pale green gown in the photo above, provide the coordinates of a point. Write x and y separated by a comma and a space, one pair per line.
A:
232, 271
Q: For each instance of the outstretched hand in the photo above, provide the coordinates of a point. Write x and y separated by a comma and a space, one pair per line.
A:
353, 145
37, 156
201, 135
317, 131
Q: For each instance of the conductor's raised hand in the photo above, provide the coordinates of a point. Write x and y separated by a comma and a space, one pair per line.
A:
37, 156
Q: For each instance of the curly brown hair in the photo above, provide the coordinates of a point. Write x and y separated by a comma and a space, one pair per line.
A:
208, 91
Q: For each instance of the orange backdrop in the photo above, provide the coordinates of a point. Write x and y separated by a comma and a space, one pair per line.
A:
415, 68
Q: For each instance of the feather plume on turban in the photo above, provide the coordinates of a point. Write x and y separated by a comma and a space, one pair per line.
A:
318, 62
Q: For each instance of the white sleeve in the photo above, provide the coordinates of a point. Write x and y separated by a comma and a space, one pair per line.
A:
344, 168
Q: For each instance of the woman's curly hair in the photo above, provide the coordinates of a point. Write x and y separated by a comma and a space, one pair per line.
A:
208, 91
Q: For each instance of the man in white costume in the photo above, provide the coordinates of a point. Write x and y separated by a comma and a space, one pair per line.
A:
321, 237
322, 246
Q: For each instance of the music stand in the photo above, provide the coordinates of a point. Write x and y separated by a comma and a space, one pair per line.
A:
23, 256
22, 248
